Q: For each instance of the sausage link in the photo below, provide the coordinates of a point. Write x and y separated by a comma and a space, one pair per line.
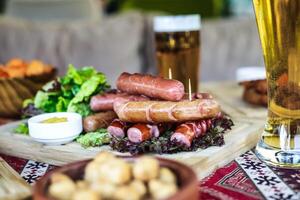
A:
103, 102
117, 128
166, 111
99, 120
140, 132
151, 86
184, 134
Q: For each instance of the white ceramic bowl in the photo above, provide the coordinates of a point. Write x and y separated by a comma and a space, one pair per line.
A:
55, 133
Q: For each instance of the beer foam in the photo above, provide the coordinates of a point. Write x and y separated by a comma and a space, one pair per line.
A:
177, 23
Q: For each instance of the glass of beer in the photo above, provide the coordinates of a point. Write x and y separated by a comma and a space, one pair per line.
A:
177, 40
278, 23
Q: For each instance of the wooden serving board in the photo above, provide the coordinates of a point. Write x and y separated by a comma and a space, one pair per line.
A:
229, 95
12, 185
241, 138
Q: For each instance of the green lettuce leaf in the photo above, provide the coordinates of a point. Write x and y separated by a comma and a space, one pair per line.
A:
77, 76
26, 102
22, 129
81, 108
62, 104
88, 88
70, 93
45, 101
80, 103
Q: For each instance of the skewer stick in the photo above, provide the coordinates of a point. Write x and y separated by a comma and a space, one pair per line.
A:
170, 73
190, 90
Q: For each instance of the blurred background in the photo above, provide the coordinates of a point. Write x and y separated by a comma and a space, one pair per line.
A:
117, 35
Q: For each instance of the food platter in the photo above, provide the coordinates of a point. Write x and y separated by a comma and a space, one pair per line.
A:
241, 138
145, 114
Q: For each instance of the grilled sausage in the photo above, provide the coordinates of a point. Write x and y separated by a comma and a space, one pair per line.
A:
186, 132
117, 128
141, 132
165, 111
103, 102
151, 86
99, 120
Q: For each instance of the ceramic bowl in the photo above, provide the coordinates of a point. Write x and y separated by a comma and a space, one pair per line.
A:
187, 180
55, 133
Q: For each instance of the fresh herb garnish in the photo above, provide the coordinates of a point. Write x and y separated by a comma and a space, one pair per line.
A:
94, 139
163, 144
22, 129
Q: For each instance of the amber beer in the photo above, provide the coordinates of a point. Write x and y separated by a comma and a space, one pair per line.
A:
278, 23
177, 40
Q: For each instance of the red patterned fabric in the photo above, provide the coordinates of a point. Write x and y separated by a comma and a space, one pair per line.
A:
229, 182
246, 178
16, 163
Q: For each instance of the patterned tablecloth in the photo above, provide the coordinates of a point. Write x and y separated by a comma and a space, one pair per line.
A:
244, 178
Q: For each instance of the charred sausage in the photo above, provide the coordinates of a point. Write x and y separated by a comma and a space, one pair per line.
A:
151, 86
166, 111
186, 132
103, 102
117, 128
140, 132
203, 126
99, 120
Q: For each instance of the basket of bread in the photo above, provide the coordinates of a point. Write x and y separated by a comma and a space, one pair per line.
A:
20, 80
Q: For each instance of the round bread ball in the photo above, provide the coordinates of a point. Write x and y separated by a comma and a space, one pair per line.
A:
126, 193
139, 186
145, 168
167, 176
92, 172
86, 194
104, 156
105, 189
116, 171
161, 190
62, 187
82, 184
59, 177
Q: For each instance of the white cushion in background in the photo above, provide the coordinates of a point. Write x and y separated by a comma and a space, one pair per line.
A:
53, 10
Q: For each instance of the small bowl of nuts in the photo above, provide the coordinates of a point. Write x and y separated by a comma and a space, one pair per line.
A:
119, 178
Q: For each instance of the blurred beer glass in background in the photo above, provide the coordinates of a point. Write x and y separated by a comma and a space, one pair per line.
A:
278, 24
177, 40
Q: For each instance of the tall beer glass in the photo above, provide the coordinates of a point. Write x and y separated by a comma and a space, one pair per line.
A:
278, 23
177, 40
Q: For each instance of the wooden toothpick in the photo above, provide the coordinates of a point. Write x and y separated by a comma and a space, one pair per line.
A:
190, 90
170, 73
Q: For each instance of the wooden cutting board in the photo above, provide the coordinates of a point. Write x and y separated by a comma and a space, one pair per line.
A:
12, 185
241, 138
